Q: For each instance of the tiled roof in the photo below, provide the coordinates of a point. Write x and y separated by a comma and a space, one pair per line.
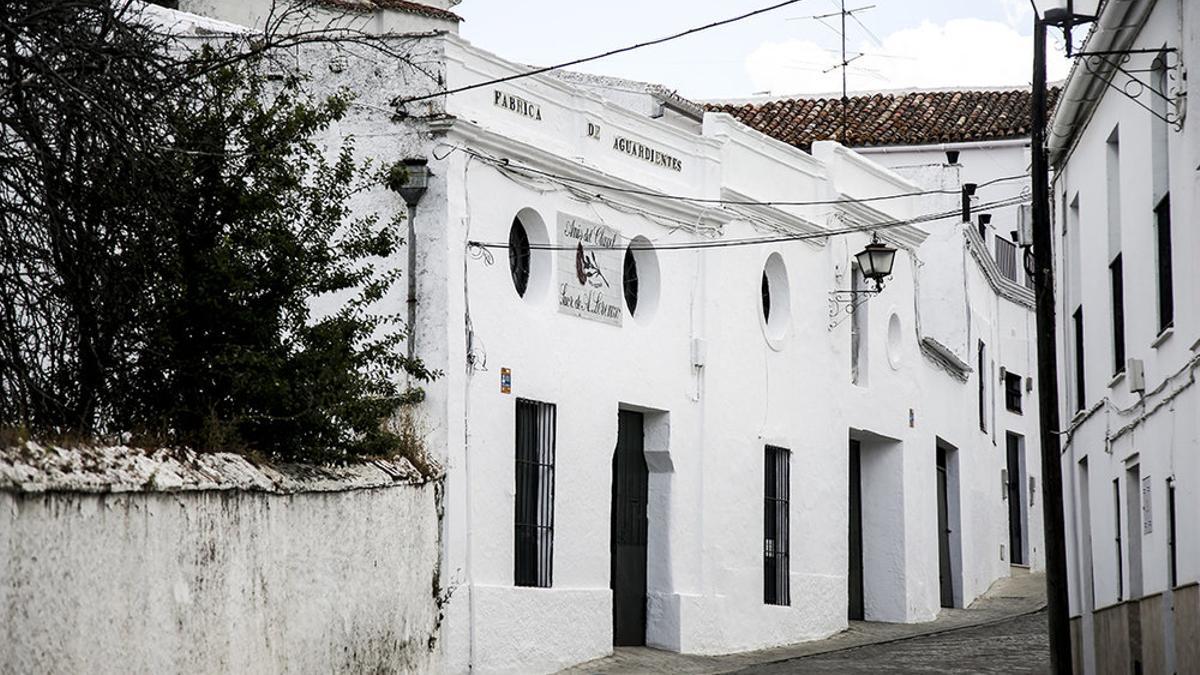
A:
908, 118
400, 5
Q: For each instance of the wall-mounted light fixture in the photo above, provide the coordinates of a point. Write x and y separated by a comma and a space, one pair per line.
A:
875, 262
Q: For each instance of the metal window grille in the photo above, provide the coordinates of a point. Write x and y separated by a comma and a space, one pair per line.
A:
1012, 392
776, 527
1116, 275
1172, 561
1117, 538
534, 532
1080, 394
1166, 290
983, 388
766, 297
631, 281
1006, 258
519, 256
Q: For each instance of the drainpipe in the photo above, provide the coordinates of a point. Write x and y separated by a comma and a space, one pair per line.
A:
416, 181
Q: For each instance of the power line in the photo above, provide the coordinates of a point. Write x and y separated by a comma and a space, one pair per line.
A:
755, 241
576, 62
508, 164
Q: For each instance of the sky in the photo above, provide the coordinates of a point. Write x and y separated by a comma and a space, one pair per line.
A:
906, 43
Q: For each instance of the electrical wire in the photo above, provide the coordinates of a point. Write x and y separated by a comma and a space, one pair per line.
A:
509, 164
754, 241
588, 59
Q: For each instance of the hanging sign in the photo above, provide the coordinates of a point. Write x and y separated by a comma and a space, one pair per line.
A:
505, 381
589, 270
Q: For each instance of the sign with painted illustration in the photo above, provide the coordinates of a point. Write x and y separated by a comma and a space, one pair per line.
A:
589, 270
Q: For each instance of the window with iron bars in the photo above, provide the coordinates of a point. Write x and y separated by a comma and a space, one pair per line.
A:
534, 532
776, 527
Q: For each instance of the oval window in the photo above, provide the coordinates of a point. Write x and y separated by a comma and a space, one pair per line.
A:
766, 297
776, 301
641, 279
630, 282
519, 256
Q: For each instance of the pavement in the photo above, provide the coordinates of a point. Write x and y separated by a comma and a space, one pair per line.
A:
1003, 631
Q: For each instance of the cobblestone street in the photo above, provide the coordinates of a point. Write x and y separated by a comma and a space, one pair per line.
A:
1004, 631
1018, 645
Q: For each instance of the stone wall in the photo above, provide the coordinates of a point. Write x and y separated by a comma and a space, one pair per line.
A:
235, 568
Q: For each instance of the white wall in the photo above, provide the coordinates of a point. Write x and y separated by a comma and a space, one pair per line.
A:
785, 384
1118, 429
239, 577
789, 388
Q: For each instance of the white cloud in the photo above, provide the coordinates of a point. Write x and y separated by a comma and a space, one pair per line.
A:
959, 53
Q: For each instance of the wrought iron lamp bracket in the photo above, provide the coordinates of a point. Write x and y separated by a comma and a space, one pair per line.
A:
1125, 80
843, 304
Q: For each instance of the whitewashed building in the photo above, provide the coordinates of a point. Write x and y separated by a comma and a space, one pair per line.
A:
660, 422
1125, 156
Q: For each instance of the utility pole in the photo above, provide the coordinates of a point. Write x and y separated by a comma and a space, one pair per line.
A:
1052, 492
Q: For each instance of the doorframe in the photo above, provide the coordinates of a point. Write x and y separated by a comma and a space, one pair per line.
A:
662, 609
953, 520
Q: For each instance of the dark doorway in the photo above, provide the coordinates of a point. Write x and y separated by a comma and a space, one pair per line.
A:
630, 491
855, 576
943, 516
1016, 540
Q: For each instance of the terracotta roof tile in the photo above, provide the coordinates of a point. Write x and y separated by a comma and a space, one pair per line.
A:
912, 118
400, 5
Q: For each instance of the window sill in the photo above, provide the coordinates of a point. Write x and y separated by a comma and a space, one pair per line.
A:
1116, 379
1163, 337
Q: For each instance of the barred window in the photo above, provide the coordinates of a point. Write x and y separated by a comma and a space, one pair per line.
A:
534, 532
776, 527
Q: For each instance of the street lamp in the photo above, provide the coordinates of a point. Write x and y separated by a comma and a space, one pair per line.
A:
1062, 14
876, 262
412, 186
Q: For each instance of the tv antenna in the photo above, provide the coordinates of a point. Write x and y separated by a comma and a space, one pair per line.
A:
847, 59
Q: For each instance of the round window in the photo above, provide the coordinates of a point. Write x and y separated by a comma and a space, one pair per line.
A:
776, 301
641, 279
630, 282
519, 256
766, 297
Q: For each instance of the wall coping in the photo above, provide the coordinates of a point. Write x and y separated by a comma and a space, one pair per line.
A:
33, 468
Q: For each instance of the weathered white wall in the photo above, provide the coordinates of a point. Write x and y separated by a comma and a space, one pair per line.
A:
1119, 429
786, 383
240, 578
758, 386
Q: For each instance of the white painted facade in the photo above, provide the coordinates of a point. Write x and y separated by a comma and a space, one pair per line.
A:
1127, 447
716, 379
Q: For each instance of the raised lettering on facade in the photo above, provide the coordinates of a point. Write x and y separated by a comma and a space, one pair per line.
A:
517, 104
655, 157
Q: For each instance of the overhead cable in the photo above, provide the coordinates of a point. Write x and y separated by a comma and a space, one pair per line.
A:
509, 164
755, 241
587, 59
